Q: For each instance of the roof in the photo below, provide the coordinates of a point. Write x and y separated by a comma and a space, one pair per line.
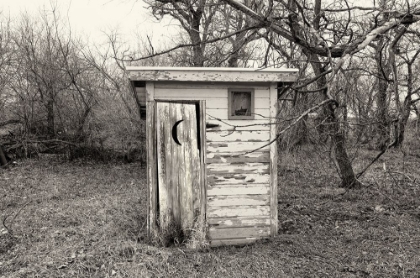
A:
212, 74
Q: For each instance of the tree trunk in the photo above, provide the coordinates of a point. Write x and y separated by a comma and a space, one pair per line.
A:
194, 32
401, 124
50, 118
3, 160
346, 172
383, 67
382, 127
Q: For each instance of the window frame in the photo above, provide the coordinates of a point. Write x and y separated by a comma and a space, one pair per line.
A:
230, 102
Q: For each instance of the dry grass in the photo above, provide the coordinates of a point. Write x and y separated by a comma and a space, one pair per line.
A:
88, 220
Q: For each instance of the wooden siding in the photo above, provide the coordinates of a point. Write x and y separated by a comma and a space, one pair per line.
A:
239, 221
273, 159
238, 161
254, 157
238, 189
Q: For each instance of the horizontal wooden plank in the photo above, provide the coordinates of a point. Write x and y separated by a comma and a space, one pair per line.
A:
245, 168
222, 113
238, 200
236, 233
217, 103
230, 242
200, 93
212, 85
238, 211
217, 179
236, 125
254, 157
226, 190
259, 103
238, 136
211, 74
239, 221
236, 147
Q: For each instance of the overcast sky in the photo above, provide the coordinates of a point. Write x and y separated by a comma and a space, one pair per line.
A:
91, 18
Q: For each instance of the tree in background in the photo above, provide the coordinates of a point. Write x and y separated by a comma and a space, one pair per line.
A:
329, 36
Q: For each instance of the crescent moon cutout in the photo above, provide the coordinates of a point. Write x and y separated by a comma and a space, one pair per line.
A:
174, 132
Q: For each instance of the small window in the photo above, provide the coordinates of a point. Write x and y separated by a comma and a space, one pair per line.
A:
241, 104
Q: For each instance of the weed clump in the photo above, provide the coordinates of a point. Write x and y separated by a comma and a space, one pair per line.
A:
175, 234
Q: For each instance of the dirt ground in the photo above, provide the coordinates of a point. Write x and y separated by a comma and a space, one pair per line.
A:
84, 219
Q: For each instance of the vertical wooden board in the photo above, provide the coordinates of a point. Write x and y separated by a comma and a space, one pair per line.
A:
191, 161
179, 163
273, 158
163, 117
150, 91
173, 175
151, 168
203, 178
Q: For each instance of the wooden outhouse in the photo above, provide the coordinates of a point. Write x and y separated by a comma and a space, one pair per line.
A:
209, 155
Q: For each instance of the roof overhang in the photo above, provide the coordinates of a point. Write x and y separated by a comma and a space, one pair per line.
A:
197, 74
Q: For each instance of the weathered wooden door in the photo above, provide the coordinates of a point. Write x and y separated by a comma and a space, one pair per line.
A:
178, 164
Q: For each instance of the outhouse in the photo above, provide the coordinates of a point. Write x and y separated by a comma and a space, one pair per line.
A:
210, 154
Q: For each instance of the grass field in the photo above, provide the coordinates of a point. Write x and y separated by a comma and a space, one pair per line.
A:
84, 219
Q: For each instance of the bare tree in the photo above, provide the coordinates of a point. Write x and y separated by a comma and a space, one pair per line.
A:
324, 34
195, 17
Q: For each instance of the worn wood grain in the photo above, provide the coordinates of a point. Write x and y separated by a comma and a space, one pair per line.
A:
150, 91
238, 200
237, 168
235, 233
200, 93
211, 85
255, 157
239, 221
237, 125
162, 112
222, 113
236, 147
211, 74
273, 163
179, 164
230, 190
217, 179
229, 242
238, 211
216, 103
151, 169
203, 178
260, 103
238, 136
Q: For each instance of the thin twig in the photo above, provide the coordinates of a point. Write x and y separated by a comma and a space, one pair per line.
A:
9, 230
